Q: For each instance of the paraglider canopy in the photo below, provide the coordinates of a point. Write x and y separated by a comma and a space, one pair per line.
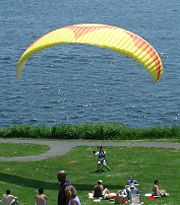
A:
106, 36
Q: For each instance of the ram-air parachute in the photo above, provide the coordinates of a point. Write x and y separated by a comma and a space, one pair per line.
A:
106, 36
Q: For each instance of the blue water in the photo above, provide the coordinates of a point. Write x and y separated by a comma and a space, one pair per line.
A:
80, 83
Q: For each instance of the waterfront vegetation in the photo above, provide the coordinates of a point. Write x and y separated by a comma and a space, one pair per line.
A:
96, 131
146, 164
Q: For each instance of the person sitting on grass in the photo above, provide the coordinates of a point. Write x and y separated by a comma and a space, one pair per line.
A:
130, 190
40, 198
132, 181
99, 190
156, 191
101, 163
9, 199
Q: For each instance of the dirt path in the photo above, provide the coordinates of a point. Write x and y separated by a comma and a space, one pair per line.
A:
60, 147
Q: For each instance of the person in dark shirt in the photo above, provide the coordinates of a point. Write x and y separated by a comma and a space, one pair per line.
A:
62, 178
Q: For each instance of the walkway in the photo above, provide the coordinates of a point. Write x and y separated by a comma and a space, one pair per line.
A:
60, 147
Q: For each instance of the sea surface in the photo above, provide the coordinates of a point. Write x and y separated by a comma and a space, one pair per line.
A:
72, 84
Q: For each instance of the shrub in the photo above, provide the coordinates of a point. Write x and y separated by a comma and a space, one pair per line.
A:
101, 131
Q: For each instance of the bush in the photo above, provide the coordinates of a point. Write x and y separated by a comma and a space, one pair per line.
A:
98, 131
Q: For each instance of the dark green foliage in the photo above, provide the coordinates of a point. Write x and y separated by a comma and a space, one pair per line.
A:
40, 131
100, 131
163, 132
15, 131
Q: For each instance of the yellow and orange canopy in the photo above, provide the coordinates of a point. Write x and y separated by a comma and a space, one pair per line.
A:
106, 36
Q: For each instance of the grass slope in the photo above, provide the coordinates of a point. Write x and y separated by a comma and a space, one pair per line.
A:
146, 164
16, 150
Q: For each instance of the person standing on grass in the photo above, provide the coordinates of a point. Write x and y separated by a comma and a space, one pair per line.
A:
40, 198
62, 179
101, 163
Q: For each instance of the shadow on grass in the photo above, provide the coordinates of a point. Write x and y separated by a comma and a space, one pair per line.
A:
21, 181
34, 183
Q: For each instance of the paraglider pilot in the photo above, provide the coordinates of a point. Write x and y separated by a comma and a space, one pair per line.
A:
101, 163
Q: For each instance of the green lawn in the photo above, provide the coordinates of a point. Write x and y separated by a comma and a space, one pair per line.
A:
146, 164
16, 150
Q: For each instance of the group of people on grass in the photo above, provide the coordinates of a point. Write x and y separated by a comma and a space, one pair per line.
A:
9, 199
68, 195
100, 192
132, 184
130, 192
